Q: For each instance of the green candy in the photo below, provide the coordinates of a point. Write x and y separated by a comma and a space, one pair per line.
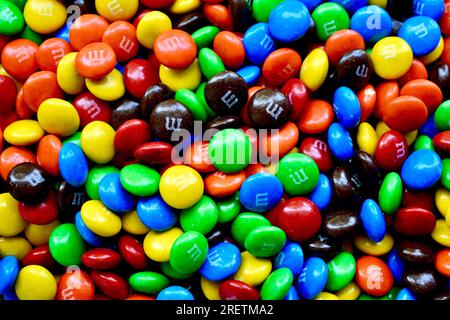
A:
11, 18
200, 93
442, 116
330, 17
391, 192
341, 270
96, 174
172, 273
148, 282
210, 63
265, 242
230, 150
140, 180
263, 8
75, 139
277, 284
298, 174
229, 208
19, 3
202, 217
391, 295
189, 252
31, 35
423, 142
245, 223
193, 103
204, 37
445, 177
66, 245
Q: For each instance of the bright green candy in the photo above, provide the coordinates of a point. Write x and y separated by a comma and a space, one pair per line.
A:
204, 37
391, 295
245, 223
148, 282
263, 8
445, 177
341, 270
193, 103
423, 142
66, 245
298, 173
96, 174
391, 192
75, 139
172, 273
210, 63
230, 150
277, 284
200, 93
11, 18
265, 241
189, 252
442, 116
31, 35
140, 180
202, 217
19, 3
229, 208
330, 17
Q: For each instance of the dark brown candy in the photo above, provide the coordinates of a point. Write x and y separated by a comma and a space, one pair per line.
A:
439, 73
124, 111
215, 236
224, 122
415, 252
341, 223
241, 13
154, 95
354, 69
322, 246
28, 183
70, 200
170, 116
268, 108
226, 93
400, 9
442, 296
421, 282
84, 6
348, 183
191, 22
369, 172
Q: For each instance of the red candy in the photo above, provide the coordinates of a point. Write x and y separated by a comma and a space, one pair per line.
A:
132, 252
154, 153
419, 199
342, 41
101, 259
130, 135
316, 117
413, 221
8, 94
13, 156
110, 284
392, 150
367, 98
218, 15
425, 90
441, 141
319, 151
139, 75
91, 108
297, 94
40, 256
405, 114
385, 92
281, 65
41, 213
237, 290
442, 262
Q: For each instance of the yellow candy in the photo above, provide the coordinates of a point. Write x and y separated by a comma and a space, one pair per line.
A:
110, 88
367, 138
23, 133
151, 26
184, 6
381, 128
326, 296
132, 224
38, 235
367, 246
294, 150
35, 283
392, 57
181, 187
175, 79
11, 223
114, 10
45, 16
68, 78
157, 245
349, 292
210, 289
435, 54
14, 246
411, 137
380, 3
314, 69
272, 168
97, 141
58, 117
442, 199
99, 219
253, 271
441, 233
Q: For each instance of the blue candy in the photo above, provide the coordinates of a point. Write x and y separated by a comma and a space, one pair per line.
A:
73, 165
373, 220
429, 128
405, 294
155, 213
250, 74
10, 295
340, 142
351, 5
223, 260
313, 278
9, 269
346, 107
292, 294
311, 4
396, 264
88, 236
430, 8
175, 293
261, 192
258, 43
321, 195
113, 195
421, 170
422, 34
290, 257
372, 23
289, 21
63, 33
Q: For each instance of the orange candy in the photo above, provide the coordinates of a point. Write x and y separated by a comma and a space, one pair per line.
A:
1, 140
47, 154
342, 41
19, 58
230, 49
50, 53
367, 98
446, 53
417, 71
220, 185
139, 297
442, 262
13, 156
175, 49
425, 90
39, 87
75, 285
22, 110
196, 156
386, 91
95, 61
121, 36
87, 29
281, 142
218, 15
244, 112
316, 117
405, 114
373, 276
281, 65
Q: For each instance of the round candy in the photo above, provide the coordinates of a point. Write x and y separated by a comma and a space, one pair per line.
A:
260, 192
373, 276
421, 33
341, 270
314, 69
23, 133
175, 293
313, 278
73, 165
97, 141
68, 78
421, 170
201, 217
372, 22
189, 252
12, 21
45, 16
346, 107
35, 283
110, 88
175, 49
268, 108
152, 25
258, 43
223, 260
155, 214
277, 285
58, 117
66, 245
28, 182
95, 60
289, 21
9, 269
373, 220
99, 219
253, 271
114, 10
290, 257
392, 57
340, 142
113, 195
329, 18
140, 180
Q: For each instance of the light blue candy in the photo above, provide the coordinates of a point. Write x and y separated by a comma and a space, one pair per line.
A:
87, 235
113, 195
223, 260
372, 23
63, 33
422, 34
351, 5
155, 213
73, 165
405, 294
290, 257
258, 43
313, 278
250, 74
261, 192
396, 265
292, 294
175, 293
346, 107
429, 127
373, 221
9, 269
421, 170
340, 142
322, 193
430, 8
289, 21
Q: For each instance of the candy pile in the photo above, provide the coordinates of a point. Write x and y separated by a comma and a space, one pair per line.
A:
225, 149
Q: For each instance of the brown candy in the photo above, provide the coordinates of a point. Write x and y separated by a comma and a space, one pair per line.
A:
322, 246
124, 111
354, 69
241, 13
224, 122
191, 22
70, 200
28, 183
341, 223
421, 282
268, 108
154, 95
415, 252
